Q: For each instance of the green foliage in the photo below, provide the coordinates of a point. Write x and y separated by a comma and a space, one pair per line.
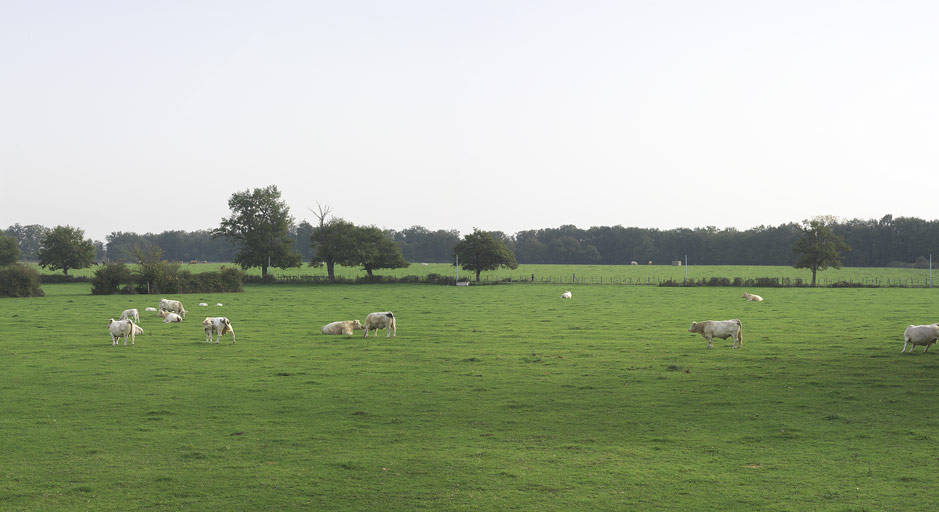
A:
65, 247
819, 248
260, 224
28, 238
9, 251
331, 243
372, 250
479, 252
108, 278
18, 280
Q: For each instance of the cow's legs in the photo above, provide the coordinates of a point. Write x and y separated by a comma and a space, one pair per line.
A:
709, 342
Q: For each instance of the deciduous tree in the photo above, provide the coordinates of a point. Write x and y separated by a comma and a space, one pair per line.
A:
260, 224
331, 241
9, 250
479, 251
819, 247
372, 249
65, 248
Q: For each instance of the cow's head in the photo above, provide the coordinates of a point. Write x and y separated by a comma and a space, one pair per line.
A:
357, 325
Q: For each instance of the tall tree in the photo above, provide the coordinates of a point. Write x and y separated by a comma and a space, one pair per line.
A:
29, 238
819, 247
479, 251
331, 241
372, 249
65, 247
260, 224
9, 250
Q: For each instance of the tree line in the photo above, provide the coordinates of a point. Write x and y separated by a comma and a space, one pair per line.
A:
889, 241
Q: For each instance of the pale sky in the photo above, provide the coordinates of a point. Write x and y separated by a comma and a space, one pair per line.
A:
503, 115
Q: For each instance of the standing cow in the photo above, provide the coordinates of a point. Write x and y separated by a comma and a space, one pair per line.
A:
920, 335
383, 320
723, 329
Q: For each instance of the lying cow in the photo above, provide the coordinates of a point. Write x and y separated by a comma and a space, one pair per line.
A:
920, 335
566, 295
169, 317
131, 314
344, 327
751, 297
218, 325
383, 320
723, 329
173, 305
123, 328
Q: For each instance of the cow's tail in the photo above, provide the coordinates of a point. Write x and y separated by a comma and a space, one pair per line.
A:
739, 332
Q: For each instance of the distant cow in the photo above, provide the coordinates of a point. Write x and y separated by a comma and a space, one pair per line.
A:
920, 335
723, 329
566, 295
383, 320
751, 297
219, 325
344, 327
122, 328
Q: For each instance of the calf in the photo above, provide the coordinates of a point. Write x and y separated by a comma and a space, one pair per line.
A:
131, 314
723, 329
751, 297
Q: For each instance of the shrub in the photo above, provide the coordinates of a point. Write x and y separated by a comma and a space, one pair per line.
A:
109, 278
18, 280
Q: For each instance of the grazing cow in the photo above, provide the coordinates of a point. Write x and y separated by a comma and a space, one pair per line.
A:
723, 329
345, 327
383, 320
219, 325
751, 297
131, 314
173, 305
170, 317
122, 328
920, 335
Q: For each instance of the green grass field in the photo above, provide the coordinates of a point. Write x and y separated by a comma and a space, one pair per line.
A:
599, 274
489, 398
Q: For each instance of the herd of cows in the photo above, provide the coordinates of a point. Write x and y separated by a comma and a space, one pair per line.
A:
214, 327
172, 311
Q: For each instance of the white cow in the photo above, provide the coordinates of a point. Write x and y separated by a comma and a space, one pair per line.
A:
173, 305
723, 329
344, 327
170, 318
920, 335
219, 325
751, 297
382, 320
131, 314
122, 328
566, 295
150, 309
203, 304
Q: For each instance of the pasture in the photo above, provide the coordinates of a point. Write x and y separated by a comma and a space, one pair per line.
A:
489, 398
594, 274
